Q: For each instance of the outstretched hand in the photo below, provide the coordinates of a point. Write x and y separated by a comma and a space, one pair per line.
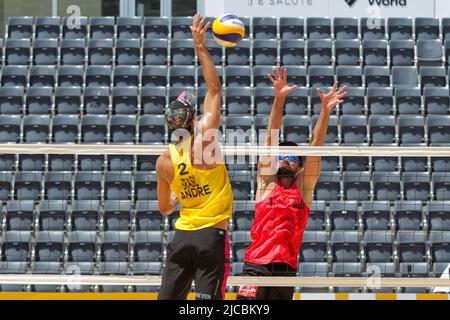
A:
199, 29
279, 81
333, 97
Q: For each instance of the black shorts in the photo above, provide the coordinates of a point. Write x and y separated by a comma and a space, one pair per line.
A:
200, 255
266, 293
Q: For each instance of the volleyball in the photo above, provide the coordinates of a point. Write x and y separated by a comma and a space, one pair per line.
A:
228, 30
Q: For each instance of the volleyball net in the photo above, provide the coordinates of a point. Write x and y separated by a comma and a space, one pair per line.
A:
85, 217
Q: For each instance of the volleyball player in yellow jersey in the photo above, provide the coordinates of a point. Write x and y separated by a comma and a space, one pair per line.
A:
198, 179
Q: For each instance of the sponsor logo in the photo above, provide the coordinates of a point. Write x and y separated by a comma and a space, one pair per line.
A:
248, 291
388, 3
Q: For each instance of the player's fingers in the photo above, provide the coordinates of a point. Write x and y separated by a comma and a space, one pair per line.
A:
320, 92
285, 74
202, 22
342, 89
334, 87
195, 21
205, 28
271, 78
339, 96
275, 74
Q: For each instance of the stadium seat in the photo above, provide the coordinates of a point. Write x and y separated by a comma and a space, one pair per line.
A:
96, 100
355, 164
88, 185
375, 215
263, 100
45, 51
378, 246
93, 128
380, 269
264, 27
156, 27
433, 77
31, 162
16, 246
346, 269
58, 186
128, 52
73, 51
100, 51
260, 125
20, 27
382, 130
42, 76
411, 246
151, 129
52, 214
10, 128
241, 183
438, 216
238, 54
20, 215
318, 28
317, 216
148, 246
356, 185
351, 77
115, 246
436, 100
345, 246
5, 185
438, 130
328, 186
380, 100
265, 51
118, 185
330, 163
72, 76
243, 215
402, 52
375, 52
145, 162
117, 213
321, 76
180, 27
411, 130
7, 162
238, 100
39, 100
441, 182
376, 76
237, 129
74, 28
155, 51
98, 76
400, 28
439, 246
14, 76
297, 101
11, 100
297, 75
83, 268
148, 217
215, 50
292, 28
122, 129
438, 269
386, 185
240, 241
120, 162
404, 76
129, 27
182, 76
292, 52
17, 51
85, 214
91, 162
46, 267
354, 130
408, 215
125, 100
49, 245
296, 129
182, 51
153, 100
238, 76
427, 28
314, 246
67, 100
412, 270
319, 52
346, 28
373, 28
145, 186
126, 76
416, 185
82, 246
260, 76
347, 52
113, 268
36, 128
429, 52
154, 76
344, 215
102, 27
408, 100
47, 27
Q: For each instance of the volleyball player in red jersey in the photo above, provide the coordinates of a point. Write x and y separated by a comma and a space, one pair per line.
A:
283, 198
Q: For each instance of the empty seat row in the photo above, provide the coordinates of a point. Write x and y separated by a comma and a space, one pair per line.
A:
257, 27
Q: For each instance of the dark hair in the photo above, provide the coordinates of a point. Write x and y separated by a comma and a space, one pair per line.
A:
292, 144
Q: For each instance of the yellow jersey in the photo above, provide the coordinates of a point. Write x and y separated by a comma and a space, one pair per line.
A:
206, 196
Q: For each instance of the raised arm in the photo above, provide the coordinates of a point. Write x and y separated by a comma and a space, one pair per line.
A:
266, 164
167, 199
310, 174
212, 103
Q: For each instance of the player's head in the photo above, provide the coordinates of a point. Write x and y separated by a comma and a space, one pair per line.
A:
288, 165
180, 114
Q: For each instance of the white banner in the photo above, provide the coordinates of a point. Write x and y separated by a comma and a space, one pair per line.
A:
322, 8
